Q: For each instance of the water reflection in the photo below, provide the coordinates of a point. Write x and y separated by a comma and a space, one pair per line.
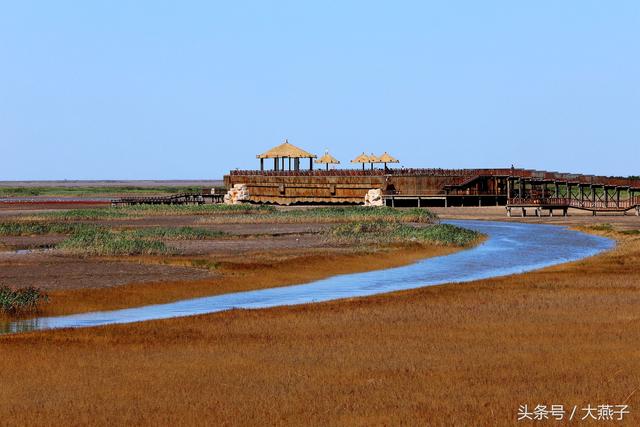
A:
510, 248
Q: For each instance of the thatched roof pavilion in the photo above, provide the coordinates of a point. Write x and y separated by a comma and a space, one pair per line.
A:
362, 158
286, 151
328, 159
387, 158
374, 159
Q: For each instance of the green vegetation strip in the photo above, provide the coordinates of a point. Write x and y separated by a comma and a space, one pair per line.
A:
384, 232
20, 300
95, 191
606, 227
87, 239
99, 241
247, 213
138, 211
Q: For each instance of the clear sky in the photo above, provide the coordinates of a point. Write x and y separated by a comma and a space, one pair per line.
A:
190, 89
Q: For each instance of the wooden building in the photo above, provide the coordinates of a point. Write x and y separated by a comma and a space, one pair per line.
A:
436, 187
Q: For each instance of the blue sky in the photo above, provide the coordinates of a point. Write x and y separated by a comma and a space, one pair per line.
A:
181, 90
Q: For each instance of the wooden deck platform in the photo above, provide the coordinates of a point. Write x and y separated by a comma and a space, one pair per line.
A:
563, 204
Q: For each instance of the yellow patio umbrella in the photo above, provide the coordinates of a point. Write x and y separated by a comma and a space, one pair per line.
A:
362, 158
374, 159
387, 158
328, 159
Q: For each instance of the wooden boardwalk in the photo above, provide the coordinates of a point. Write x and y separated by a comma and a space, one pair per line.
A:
174, 199
563, 204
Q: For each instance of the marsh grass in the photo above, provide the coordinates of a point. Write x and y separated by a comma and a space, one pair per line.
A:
607, 228
247, 213
177, 233
100, 241
93, 191
148, 241
330, 215
21, 300
384, 232
31, 228
155, 210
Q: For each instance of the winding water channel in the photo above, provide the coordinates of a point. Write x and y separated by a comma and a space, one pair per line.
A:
509, 249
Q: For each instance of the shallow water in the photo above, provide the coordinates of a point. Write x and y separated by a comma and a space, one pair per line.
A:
510, 248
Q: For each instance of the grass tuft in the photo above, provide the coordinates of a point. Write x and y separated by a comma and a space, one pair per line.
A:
21, 300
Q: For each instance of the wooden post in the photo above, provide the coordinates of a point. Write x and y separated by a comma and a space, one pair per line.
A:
310, 163
261, 164
521, 190
275, 163
606, 196
618, 197
508, 188
557, 188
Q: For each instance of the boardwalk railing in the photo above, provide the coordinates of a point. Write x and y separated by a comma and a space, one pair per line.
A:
174, 199
564, 202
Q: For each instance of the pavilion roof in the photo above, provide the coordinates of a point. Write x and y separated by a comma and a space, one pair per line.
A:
286, 150
387, 158
328, 159
362, 158
374, 159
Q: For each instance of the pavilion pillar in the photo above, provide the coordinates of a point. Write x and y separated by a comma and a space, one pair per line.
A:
521, 190
593, 195
261, 164
508, 188
310, 163
606, 196
275, 163
617, 197
557, 190
569, 195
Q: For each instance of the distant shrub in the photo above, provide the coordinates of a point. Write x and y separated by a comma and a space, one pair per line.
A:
21, 300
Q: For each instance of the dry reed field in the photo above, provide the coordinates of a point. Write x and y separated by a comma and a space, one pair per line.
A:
464, 354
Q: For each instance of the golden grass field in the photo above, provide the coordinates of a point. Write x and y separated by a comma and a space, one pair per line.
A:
464, 354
